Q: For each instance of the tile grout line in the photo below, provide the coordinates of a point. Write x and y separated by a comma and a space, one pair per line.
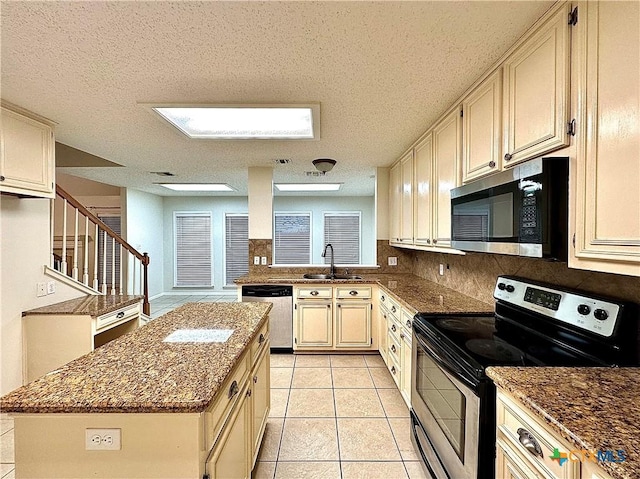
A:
335, 414
284, 419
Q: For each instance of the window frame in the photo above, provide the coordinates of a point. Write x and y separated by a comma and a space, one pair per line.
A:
177, 214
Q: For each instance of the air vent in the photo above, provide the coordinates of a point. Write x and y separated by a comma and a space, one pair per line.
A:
282, 161
313, 173
162, 173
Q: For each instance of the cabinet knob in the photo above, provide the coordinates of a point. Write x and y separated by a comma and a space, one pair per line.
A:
249, 393
261, 339
255, 379
353, 293
382, 298
492, 164
2, 178
393, 348
435, 241
314, 293
234, 389
393, 328
393, 369
507, 157
393, 309
120, 315
401, 335
409, 323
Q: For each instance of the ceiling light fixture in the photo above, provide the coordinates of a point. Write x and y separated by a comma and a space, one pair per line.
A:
308, 186
197, 186
324, 164
244, 122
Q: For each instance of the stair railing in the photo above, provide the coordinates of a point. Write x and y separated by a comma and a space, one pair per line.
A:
71, 260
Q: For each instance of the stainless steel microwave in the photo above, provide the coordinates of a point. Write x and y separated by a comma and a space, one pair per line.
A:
521, 211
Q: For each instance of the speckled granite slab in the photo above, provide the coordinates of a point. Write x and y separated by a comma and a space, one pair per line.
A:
413, 292
138, 372
592, 408
95, 305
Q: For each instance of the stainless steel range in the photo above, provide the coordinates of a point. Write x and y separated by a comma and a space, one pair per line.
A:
534, 324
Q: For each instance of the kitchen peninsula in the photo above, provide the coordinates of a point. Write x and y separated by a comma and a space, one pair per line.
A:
186, 395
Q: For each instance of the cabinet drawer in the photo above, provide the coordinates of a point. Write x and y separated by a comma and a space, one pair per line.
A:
393, 348
217, 413
116, 317
259, 341
394, 308
394, 368
319, 292
383, 300
513, 423
394, 329
407, 321
356, 292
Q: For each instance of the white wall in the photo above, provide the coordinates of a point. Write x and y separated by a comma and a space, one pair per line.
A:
24, 250
218, 206
319, 205
142, 228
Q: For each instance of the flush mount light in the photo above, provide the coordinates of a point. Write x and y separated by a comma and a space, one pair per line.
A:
324, 164
197, 186
308, 186
244, 122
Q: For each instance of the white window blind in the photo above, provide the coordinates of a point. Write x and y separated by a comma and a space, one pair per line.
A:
236, 247
113, 222
292, 238
342, 230
193, 255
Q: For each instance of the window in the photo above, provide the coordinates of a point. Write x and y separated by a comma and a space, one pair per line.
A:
236, 246
193, 252
292, 238
342, 230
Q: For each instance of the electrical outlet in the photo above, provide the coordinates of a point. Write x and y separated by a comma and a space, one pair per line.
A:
392, 260
256, 260
41, 289
103, 439
264, 261
51, 287
441, 269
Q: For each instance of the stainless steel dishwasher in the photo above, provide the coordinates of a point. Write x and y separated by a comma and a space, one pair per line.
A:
280, 316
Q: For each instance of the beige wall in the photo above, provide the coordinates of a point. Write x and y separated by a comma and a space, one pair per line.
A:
24, 250
260, 203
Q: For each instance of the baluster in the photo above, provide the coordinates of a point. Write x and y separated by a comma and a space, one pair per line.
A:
74, 271
134, 271
85, 264
113, 266
104, 262
141, 277
95, 258
63, 263
121, 285
52, 212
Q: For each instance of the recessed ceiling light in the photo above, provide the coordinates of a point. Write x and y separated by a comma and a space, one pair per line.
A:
308, 186
244, 122
197, 186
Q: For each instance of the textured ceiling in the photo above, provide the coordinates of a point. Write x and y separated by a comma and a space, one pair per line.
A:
381, 71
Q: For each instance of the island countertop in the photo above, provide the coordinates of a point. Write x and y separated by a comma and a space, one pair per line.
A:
93, 305
140, 373
413, 292
591, 408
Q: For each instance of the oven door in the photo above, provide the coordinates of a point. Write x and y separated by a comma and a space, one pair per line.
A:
448, 411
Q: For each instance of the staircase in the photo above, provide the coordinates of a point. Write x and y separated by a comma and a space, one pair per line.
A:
90, 254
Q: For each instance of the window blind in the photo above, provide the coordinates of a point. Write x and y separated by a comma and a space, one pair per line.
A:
236, 247
342, 230
113, 222
193, 255
292, 238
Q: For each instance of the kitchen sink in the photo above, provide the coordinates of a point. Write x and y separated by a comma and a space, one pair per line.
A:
328, 276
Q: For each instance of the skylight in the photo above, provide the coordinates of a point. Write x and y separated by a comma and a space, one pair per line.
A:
244, 122
197, 186
308, 186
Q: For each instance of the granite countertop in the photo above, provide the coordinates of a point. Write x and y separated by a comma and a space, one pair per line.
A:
139, 373
591, 408
413, 292
94, 305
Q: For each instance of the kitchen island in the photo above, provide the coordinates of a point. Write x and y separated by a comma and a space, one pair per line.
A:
186, 395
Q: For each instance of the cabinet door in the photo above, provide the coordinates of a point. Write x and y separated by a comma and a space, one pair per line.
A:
406, 223
446, 174
232, 454
510, 466
536, 91
423, 160
382, 333
607, 223
314, 324
405, 368
26, 155
395, 204
353, 324
261, 402
481, 129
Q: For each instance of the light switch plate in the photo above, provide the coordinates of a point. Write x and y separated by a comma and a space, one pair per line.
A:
256, 260
51, 287
41, 289
264, 261
441, 269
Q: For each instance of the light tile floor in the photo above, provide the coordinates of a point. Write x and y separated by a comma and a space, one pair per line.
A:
336, 416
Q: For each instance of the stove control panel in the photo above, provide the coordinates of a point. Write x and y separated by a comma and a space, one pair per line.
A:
593, 315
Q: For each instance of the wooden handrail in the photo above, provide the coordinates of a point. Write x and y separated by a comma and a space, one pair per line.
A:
71, 200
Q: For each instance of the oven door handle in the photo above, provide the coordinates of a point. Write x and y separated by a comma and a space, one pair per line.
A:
446, 365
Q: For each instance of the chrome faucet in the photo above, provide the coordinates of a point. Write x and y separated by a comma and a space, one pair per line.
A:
332, 271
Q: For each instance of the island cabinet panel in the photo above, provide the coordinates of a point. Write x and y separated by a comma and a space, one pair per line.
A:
261, 401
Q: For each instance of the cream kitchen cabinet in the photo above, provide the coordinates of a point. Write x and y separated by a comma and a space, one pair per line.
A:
423, 166
606, 69
333, 318
536, 90
395, 204
27, 153
482, 128
401, 194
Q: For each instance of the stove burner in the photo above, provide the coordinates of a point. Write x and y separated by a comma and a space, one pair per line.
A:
495, 350
454, 324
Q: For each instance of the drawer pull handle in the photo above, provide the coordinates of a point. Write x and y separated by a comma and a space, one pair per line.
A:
382, 298
353, 292
234, 389
393, 309
507, 157
261, 339
529, 442
393, 328
314, 293
393, 348
249, 393
409, 323
393, 369
401, 335
120, 315
255, 379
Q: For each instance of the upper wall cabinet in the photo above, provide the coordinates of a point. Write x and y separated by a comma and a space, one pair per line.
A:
606, 180
27, 149
536, 91
482, 128
422, 204
401, 201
